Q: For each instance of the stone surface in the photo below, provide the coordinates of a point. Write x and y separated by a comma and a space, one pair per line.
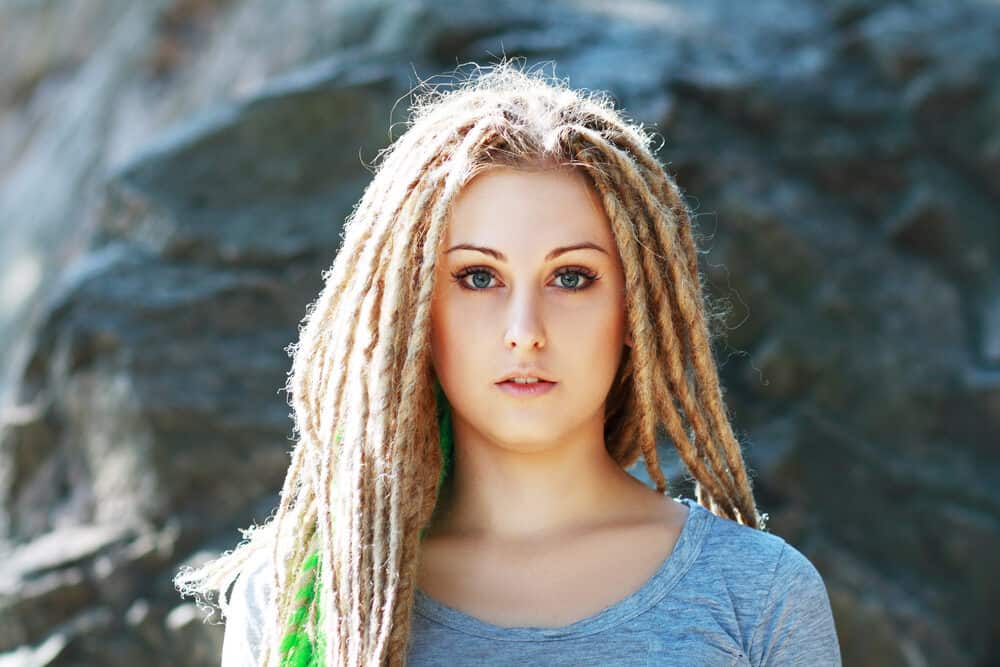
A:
176, 176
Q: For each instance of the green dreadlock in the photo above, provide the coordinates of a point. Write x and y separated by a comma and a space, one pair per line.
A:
297, 650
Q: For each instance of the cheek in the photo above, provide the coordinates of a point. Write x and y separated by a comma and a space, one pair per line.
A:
598, 318
597, 335
458, 332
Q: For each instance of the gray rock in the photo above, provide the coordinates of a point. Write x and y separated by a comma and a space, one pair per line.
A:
183, 184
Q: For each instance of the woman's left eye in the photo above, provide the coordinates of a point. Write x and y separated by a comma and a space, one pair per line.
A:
589, 276
571, 285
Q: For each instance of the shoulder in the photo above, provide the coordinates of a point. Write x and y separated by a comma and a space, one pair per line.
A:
258, 569
782, 597
249, 609
738, 553
773, 565
768, 565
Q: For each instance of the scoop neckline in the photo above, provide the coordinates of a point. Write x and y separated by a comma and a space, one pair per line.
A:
668, 573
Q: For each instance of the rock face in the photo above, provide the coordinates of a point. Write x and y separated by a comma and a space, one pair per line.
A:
199, 158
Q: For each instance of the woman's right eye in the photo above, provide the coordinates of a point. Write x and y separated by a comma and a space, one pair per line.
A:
477, 282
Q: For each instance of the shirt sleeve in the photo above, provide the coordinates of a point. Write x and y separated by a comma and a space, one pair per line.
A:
241, 643
796, 626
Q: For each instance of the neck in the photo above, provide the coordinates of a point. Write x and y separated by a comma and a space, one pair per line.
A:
500, 492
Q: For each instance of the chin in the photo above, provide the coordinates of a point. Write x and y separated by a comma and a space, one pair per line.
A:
525, 439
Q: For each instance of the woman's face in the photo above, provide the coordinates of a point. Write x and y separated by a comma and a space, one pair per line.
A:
522, 303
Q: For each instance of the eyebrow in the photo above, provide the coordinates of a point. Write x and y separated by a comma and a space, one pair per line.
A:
555, 252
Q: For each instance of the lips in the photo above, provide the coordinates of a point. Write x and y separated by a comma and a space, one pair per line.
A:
526, 373
525, 384
526, 389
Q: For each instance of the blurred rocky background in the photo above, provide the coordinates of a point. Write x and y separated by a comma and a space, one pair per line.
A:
175, 174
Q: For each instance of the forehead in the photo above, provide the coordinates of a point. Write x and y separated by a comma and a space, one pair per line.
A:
504, 205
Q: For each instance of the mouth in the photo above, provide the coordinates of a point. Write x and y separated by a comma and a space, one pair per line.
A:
526, 388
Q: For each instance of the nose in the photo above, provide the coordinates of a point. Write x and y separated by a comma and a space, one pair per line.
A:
525, 328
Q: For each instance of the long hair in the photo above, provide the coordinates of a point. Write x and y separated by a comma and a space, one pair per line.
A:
365, 472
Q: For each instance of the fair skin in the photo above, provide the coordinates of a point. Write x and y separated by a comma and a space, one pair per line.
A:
537, 525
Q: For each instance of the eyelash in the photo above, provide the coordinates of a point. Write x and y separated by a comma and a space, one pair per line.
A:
591, 277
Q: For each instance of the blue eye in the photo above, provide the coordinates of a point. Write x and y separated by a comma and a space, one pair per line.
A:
483, 283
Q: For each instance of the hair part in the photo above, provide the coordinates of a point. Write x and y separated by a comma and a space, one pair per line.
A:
363, 476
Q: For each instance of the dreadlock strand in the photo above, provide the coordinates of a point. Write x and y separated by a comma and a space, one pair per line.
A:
729, 473
673, 360
709, 390
342, 635
387, 321
643, 331
375, 220
328, 470
356, 508
371, 558
668, 191
374, 426
415, 382
282, 561
747, 506
679, 346
647, 260
397, 266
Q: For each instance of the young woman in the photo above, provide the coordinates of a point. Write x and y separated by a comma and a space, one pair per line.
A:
515, 311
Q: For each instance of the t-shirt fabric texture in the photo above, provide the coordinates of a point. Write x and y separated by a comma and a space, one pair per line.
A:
726, 595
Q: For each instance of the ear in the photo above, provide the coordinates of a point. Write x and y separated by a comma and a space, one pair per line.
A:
628, 339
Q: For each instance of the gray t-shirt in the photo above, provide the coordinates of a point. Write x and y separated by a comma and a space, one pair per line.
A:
726, 595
